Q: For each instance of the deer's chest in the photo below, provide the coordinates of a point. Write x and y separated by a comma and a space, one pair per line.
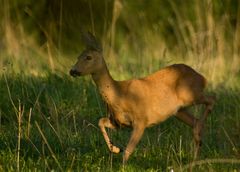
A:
119, 117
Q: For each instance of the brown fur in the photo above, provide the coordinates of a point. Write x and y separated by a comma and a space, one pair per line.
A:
141, 103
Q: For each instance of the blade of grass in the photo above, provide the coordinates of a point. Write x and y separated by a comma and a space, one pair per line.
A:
211, 161
49, 147
20, 114
9, 94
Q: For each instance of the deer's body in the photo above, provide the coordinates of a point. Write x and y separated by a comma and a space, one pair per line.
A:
140, 103
151, 99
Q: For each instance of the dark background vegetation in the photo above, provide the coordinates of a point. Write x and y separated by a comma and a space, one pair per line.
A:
61, 21
48, 121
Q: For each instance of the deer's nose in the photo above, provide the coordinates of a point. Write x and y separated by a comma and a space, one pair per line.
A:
74, 73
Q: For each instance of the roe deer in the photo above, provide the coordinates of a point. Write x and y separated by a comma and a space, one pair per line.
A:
141, 103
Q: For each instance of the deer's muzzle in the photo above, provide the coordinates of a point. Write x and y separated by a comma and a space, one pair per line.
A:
74, 73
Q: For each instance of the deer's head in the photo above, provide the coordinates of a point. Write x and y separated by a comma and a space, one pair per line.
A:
90, 60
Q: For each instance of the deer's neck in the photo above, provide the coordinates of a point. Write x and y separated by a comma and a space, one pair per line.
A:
106, 84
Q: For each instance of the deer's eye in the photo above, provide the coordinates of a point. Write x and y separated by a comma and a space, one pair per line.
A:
88, 58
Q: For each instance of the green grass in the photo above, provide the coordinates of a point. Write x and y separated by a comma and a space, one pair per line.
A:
62, 131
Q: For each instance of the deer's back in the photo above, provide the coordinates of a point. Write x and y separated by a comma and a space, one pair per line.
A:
174, 77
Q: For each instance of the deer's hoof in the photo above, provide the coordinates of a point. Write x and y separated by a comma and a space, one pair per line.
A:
115, 149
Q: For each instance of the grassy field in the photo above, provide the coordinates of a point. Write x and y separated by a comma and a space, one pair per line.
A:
48, 120
51, 123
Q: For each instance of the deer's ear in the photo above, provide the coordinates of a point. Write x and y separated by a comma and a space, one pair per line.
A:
91, 42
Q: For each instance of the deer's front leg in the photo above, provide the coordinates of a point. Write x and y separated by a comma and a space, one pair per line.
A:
134, 139
105, 122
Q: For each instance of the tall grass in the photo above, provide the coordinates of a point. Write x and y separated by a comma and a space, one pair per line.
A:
55, 128
206, 43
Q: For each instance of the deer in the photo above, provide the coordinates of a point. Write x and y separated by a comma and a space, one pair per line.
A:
143, 102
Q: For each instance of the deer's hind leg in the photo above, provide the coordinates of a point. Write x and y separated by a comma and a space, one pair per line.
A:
197, 124
184, 116
208, 101
106, 122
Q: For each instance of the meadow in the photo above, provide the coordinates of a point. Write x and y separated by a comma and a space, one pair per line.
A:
48, 120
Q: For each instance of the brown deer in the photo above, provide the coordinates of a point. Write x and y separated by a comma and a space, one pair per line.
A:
141, 103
